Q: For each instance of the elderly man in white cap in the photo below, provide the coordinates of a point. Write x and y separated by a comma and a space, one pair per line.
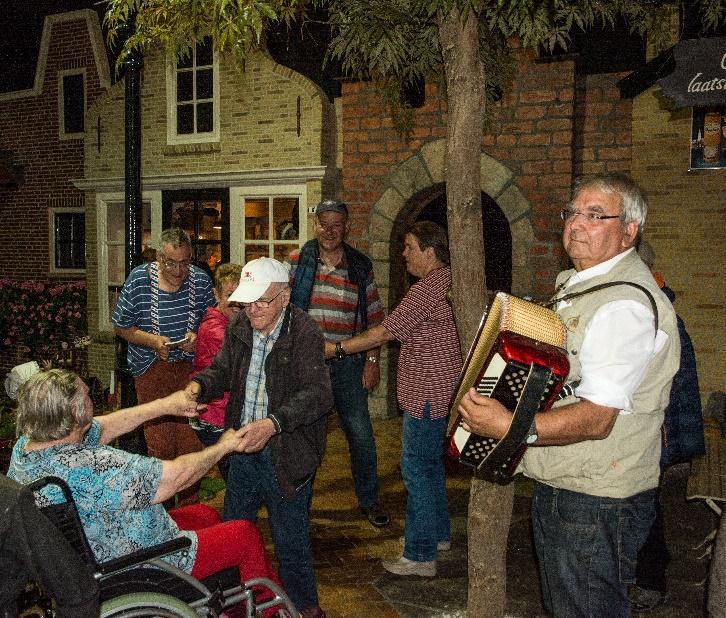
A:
272, 363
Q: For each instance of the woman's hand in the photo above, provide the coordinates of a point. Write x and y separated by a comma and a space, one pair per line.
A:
182, 403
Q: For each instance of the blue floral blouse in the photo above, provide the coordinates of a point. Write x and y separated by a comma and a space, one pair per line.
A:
114, 492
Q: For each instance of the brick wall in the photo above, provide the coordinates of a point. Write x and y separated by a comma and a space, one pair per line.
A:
258, 123
602, 125
550, 127
29, 127
531, 133
685, 225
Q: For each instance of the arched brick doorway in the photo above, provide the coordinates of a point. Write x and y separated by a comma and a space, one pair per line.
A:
409, 180
430, 205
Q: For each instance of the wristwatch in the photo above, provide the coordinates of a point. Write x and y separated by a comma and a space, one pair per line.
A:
339, 351
532, 434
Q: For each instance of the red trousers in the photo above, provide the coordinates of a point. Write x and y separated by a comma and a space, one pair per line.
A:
169, 436
237, 543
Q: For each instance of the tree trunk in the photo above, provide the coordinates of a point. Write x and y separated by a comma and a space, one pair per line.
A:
490, 506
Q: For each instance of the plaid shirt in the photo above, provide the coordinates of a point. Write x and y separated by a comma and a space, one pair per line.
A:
255, 406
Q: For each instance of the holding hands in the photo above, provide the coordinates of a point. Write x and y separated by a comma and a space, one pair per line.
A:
182, 403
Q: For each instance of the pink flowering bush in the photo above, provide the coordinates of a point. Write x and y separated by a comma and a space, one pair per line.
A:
38, 318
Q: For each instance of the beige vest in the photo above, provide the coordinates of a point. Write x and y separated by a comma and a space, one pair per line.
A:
627, 461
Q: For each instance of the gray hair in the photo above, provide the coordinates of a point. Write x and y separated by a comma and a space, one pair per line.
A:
50, 406
633, 203
176, 237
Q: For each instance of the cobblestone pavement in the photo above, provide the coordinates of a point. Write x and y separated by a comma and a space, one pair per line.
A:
348, 550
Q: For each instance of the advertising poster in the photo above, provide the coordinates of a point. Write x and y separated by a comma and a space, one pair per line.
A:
708, 138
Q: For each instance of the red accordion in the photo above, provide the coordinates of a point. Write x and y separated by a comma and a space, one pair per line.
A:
518, 359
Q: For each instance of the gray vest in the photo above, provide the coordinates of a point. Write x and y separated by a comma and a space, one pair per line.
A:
626, 462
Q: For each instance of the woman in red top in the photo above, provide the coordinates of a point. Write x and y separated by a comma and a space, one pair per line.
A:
209, 341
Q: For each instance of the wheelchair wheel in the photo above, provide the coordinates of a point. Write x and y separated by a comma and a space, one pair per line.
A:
146, 604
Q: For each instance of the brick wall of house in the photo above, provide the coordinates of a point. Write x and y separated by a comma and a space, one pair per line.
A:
550, 127
685, 226
258, 123
29, 127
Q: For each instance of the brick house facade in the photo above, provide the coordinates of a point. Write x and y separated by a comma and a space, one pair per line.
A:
278, 135
30, 128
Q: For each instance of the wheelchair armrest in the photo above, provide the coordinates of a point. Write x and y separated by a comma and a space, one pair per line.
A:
143, 555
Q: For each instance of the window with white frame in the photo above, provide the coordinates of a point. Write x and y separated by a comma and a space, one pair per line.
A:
111, 252
67, 239
72, 103
270, 226
193, 96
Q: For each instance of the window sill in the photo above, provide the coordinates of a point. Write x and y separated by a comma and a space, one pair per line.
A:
186, 149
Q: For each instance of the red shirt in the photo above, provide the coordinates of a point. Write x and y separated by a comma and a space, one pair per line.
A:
430, 360
209, 341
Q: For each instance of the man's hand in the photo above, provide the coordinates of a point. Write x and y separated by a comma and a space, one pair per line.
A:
329, 350
160, 347
182, 403
193, 389
191, 344
255, 435
371, 375
484, 416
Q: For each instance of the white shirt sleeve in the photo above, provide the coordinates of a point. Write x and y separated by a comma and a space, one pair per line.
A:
619, 344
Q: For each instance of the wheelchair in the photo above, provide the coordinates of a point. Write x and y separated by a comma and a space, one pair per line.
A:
141, 584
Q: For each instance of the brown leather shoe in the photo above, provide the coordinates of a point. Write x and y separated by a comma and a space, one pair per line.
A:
376, 516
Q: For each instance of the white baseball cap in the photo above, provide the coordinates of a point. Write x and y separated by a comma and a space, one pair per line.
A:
256, 277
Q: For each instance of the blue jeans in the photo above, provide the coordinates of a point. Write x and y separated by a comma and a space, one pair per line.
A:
351, 403
422, 467
587, 548
251, 482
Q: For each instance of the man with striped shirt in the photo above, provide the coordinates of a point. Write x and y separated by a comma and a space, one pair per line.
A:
334, 283
158, 313
428, 369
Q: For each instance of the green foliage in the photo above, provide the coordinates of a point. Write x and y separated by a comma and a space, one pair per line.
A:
712, 13
393, 42
237, 26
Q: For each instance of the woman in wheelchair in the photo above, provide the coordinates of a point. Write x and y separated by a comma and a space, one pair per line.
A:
119, 495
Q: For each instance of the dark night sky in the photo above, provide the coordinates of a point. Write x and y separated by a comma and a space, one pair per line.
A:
22, 29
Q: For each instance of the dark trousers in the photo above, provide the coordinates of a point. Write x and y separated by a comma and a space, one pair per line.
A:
251, 482
654, 557
351, 404
587, 547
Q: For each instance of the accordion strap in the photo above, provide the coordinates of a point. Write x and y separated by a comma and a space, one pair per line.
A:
602, 286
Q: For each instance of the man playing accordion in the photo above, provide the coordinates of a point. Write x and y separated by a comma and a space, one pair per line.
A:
596, 453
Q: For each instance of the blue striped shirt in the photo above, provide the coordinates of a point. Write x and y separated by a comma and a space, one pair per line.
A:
134, 309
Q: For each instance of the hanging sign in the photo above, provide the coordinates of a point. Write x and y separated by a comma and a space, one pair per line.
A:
699, 79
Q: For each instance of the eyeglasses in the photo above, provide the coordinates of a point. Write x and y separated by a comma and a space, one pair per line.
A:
263, 303
569, 213
175, 264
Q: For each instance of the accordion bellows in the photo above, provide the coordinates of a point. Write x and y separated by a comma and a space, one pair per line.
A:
512, 314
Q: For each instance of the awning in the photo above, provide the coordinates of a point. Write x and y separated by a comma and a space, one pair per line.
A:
699, 77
